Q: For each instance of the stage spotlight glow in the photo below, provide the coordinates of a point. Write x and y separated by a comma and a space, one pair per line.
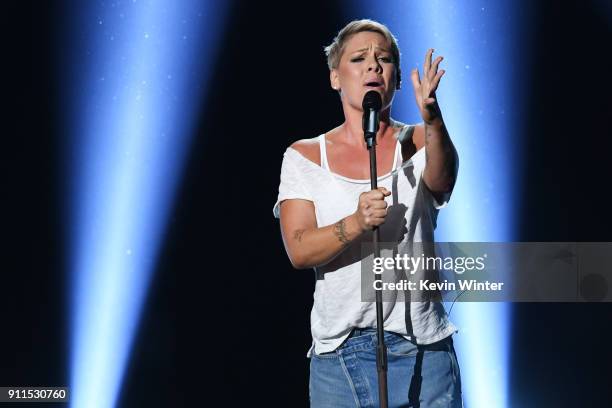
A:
480, 105
134, 74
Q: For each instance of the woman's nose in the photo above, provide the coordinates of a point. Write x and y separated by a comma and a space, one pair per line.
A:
373, 65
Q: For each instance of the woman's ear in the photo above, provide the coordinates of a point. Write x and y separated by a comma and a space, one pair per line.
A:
334, 80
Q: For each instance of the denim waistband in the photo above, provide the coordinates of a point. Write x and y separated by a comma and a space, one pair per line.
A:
365, 338
358, 331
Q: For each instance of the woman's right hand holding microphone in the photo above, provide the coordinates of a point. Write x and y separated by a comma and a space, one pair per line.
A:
372, 209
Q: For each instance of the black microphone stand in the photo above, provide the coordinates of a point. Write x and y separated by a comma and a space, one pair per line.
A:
371, 105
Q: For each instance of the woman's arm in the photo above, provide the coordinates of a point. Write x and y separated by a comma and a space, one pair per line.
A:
442, 161
309, 246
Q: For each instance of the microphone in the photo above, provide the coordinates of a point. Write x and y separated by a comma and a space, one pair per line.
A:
372, 102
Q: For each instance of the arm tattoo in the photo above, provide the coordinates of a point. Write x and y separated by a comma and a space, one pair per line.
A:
340, 232
297, 235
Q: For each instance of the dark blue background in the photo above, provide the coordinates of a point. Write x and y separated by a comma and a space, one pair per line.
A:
208, 326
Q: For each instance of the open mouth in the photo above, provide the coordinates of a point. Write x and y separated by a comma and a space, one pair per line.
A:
373, 84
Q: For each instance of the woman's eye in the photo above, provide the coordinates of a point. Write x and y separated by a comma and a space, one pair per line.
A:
383, 59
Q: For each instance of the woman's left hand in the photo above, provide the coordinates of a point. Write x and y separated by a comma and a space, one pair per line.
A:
425, 89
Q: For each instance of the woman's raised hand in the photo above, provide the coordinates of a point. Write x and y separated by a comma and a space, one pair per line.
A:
372, 208
425, 88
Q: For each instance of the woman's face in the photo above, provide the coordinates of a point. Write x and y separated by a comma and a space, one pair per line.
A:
366, 64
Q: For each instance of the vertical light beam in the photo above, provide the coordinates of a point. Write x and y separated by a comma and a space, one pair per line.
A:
480, 105
136, 74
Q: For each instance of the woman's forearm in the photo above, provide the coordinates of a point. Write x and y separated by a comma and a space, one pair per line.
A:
312, 247
442, 162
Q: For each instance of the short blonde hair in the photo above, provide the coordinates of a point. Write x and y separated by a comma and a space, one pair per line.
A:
334, 50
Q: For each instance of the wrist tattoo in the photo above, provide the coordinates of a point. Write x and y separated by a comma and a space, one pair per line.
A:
297, 235
340, 231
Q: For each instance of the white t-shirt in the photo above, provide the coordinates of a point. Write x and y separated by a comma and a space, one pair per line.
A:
411, 217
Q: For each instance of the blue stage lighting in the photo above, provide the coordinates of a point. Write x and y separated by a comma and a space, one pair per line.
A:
135, 72
479, 101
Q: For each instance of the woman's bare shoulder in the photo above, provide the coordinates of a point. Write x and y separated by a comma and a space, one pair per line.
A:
309, 148
418, 136
414, 143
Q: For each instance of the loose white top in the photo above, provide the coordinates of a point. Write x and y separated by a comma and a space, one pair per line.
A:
411, 217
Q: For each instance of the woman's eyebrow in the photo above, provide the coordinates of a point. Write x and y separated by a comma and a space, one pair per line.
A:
367, 48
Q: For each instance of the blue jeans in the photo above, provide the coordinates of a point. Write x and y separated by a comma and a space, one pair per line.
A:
420, 376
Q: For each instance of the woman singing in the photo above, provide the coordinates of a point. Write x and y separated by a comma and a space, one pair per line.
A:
327, 211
